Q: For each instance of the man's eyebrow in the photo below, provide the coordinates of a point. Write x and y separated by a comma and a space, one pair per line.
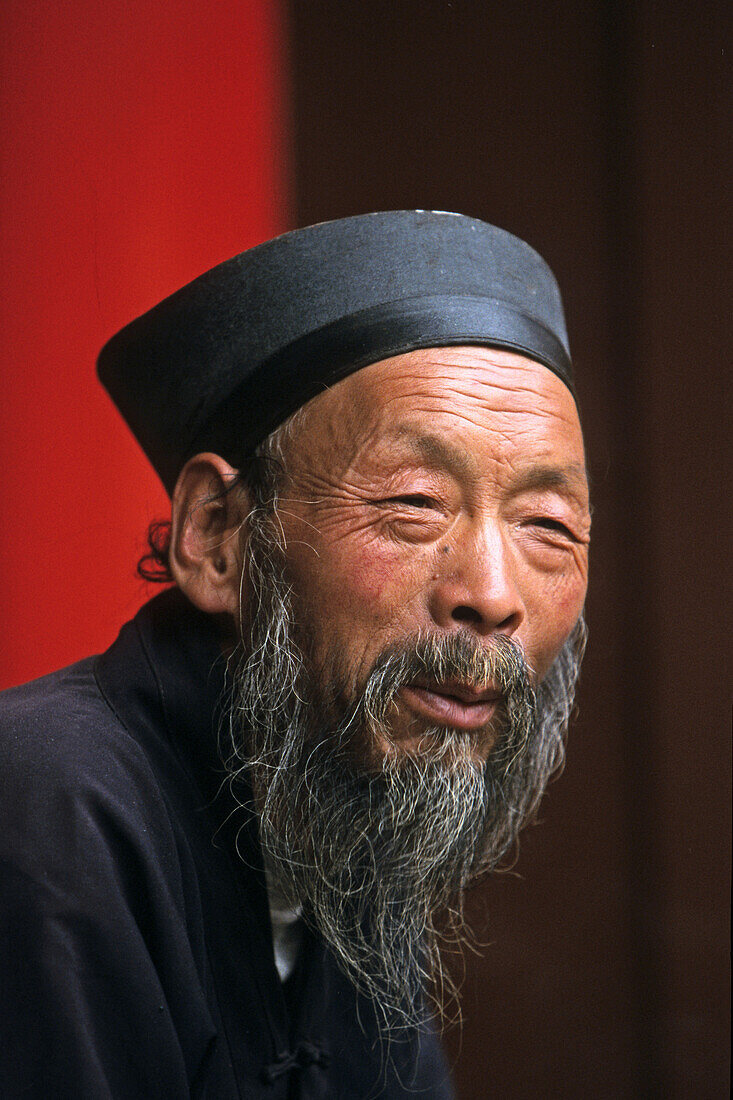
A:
440, 452
569, 479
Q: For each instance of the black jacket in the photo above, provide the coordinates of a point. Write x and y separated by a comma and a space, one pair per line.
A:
135, 946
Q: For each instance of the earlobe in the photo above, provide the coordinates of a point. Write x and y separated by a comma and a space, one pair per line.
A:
209, 507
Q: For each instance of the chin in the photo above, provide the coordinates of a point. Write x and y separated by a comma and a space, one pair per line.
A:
434, 746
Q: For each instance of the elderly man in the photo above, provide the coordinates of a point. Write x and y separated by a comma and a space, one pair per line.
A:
233, 843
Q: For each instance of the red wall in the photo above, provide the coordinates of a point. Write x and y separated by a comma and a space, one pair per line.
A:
141, 144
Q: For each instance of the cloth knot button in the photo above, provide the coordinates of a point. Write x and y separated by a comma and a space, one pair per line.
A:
305, 1054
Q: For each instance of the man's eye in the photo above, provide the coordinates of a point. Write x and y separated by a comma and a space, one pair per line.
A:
414, 500
553, 525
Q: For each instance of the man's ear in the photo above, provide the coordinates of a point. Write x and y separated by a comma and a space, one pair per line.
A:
206, 518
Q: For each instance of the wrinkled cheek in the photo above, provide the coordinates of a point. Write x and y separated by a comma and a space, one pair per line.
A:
348, 614
557, 622
345, 597
370, 589
372, 585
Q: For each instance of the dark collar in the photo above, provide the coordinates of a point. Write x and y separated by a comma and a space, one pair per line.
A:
166, 674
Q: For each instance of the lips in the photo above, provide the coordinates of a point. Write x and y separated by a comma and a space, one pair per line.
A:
451, 703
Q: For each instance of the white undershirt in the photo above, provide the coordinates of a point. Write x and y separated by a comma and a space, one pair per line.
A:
287, 929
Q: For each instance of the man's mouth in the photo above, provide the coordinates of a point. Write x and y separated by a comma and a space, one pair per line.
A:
451, 703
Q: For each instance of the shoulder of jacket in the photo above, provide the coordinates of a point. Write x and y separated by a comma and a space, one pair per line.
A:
58, 735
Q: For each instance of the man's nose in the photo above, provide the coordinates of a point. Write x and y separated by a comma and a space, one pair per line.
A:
476, 585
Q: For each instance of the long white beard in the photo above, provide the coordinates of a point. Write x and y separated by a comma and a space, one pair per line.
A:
379, 859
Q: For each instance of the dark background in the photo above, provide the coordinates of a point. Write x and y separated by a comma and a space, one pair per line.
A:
598, 132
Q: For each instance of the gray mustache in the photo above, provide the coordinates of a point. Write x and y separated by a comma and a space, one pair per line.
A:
500, 664
460, 656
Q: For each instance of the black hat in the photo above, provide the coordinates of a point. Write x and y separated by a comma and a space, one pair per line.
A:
219, 364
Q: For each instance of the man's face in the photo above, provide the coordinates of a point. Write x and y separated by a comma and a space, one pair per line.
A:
434, 493
423, 563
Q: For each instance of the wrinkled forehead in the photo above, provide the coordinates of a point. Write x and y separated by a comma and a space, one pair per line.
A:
456, 407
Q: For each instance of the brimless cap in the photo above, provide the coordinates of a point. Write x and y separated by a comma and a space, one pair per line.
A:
219, 364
